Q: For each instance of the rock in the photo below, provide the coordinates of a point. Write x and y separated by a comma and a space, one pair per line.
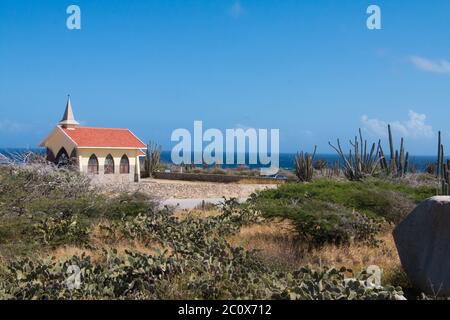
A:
423, 244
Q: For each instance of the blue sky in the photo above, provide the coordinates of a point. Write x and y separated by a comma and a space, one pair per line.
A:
310, 68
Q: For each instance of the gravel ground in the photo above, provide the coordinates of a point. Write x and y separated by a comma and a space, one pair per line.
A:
175, 189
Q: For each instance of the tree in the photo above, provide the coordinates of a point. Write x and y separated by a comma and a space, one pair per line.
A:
152, 158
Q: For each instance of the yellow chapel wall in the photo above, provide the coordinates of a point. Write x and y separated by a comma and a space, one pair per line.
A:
101, 153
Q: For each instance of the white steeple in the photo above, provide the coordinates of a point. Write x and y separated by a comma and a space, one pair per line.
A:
68, 120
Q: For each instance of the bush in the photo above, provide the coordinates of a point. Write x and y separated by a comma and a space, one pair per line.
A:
127, 205
317, 222
22, 186
327, 211
377, 199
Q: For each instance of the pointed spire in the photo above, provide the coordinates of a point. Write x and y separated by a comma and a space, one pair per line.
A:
68, 119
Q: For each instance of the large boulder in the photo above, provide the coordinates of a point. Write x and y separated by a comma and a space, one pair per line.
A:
423, 244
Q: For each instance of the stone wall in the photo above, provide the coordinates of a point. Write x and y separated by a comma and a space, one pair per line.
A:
223, 178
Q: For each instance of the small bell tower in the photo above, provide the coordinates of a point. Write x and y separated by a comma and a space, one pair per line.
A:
68, 120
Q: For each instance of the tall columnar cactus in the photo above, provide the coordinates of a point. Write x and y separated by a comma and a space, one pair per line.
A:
442, 169
304, 169
383, 162
445, 181
399, 159
439, 159
392, 164
401, 163
406, 170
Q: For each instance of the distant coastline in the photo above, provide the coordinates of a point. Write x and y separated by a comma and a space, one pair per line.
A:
286, 159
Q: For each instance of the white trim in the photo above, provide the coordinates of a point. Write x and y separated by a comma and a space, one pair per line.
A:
116, 148
138, 139
76, 145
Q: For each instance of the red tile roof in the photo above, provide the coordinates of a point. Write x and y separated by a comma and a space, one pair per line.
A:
103, 137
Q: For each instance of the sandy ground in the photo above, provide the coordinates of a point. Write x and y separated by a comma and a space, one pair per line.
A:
191, 193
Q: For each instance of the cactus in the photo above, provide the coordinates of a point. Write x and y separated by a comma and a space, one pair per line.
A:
358, 164
399, 160
304, 166
444, 176
439, 159
442, 169
391, 147
401, 163
406, 169
383, 162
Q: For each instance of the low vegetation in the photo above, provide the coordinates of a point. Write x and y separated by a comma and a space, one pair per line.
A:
123, 246
339, 212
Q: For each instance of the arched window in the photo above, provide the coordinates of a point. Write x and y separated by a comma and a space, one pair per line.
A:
62, 158
93, 164
50, 155
124, 165
109, 164
74, 157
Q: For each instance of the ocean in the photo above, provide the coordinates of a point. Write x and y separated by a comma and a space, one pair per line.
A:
286, 159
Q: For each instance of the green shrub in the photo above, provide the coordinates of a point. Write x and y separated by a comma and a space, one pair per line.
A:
127, 205
374, 198
328, 211
318, 222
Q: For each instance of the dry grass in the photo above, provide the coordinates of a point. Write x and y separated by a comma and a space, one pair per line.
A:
276, 243
66, 252
197, 213
100, 243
